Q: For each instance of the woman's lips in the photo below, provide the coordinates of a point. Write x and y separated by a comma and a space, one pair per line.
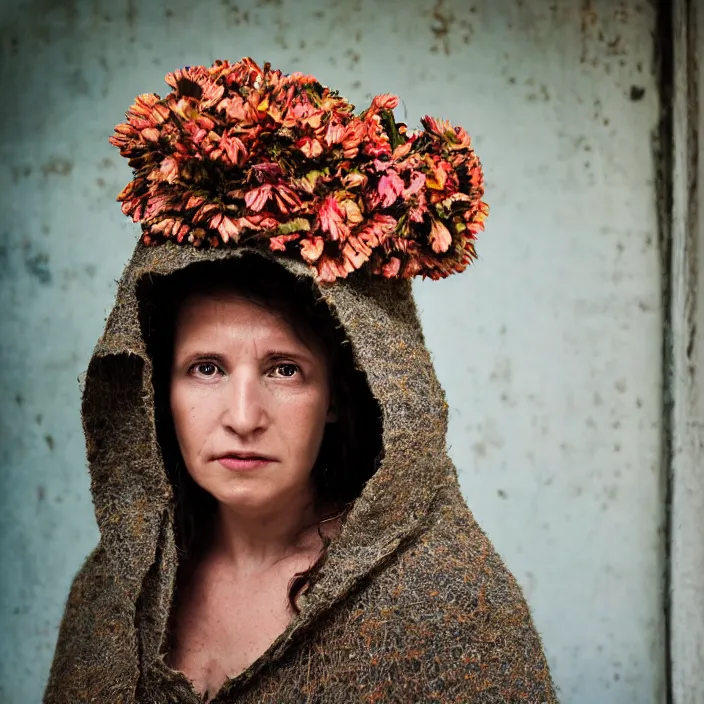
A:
243, 464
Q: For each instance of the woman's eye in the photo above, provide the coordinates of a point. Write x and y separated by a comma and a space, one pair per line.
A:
286, 370
205, 369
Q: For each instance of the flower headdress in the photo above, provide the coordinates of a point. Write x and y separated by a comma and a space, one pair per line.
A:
238, 154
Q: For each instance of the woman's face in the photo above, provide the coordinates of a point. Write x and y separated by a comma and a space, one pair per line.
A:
249, 400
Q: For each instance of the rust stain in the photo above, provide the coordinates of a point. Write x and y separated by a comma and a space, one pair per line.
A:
19, 172
588, 18
131, 14
637, 93
441, 26
57, 166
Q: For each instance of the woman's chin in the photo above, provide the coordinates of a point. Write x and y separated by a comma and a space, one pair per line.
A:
254, 498
242, 498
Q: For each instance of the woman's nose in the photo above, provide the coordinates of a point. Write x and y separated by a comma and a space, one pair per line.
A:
245, 405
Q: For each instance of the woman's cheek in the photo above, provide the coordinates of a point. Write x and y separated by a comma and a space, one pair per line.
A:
186, 411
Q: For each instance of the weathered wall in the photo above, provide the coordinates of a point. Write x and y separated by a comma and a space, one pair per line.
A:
552, 365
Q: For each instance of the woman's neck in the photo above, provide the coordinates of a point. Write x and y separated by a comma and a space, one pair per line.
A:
254, 542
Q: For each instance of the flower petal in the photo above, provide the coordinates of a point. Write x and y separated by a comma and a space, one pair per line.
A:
312, 248
332, 219
391, 186
279, 242
257, 198
440, 237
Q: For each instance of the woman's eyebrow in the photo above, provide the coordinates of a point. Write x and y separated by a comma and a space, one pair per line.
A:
198, 354
301, 352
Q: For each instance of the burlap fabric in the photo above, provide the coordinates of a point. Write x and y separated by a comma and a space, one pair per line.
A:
412, 605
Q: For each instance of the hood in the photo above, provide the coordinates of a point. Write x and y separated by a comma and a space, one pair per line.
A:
132, 494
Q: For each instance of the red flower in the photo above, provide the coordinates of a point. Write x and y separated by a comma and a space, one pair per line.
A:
332, 219
279, 242
391, 186
257, 198
391, 268
239, 148
312, 148
232, 148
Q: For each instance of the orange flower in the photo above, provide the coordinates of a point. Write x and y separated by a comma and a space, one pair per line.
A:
239, 148
168, 169
312, 248
440, 237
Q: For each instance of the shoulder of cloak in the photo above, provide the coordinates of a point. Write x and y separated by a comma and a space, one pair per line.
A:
96, 657
445, 620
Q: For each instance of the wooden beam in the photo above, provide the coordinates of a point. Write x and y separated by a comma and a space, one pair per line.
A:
686, 364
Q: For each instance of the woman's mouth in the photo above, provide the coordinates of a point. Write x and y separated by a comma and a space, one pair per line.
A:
243, 463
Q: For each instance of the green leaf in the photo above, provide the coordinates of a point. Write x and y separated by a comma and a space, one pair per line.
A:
295, 225
389, 123
314, 175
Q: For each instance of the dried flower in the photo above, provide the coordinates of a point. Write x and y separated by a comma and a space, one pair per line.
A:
242, 154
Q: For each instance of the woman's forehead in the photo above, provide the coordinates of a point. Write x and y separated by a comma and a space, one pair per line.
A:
233, 319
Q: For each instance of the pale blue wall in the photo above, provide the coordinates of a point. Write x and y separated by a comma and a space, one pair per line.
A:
552, 363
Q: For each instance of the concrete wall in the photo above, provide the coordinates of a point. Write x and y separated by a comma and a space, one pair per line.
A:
551, 364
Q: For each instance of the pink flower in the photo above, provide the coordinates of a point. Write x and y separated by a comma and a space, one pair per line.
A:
257, 198
353, 258
195, 201
332, 219
417, 183
386, 101
417, 210
335, 133
354, 135
156, 205
279, 242
390, 269
391, 186
312, 248
238, 148
232, 148
237, 110
440, 237
228, 229
454, 137
312, 148
377, 230
169, 169
286, 198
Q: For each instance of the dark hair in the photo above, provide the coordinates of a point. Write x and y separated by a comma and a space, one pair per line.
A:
351, 447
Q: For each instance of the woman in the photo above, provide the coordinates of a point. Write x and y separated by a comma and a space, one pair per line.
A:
280, 521
268, 425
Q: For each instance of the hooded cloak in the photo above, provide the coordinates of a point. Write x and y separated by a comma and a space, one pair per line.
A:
412, 603
409, 602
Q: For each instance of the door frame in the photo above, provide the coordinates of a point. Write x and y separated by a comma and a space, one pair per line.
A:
681, 201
